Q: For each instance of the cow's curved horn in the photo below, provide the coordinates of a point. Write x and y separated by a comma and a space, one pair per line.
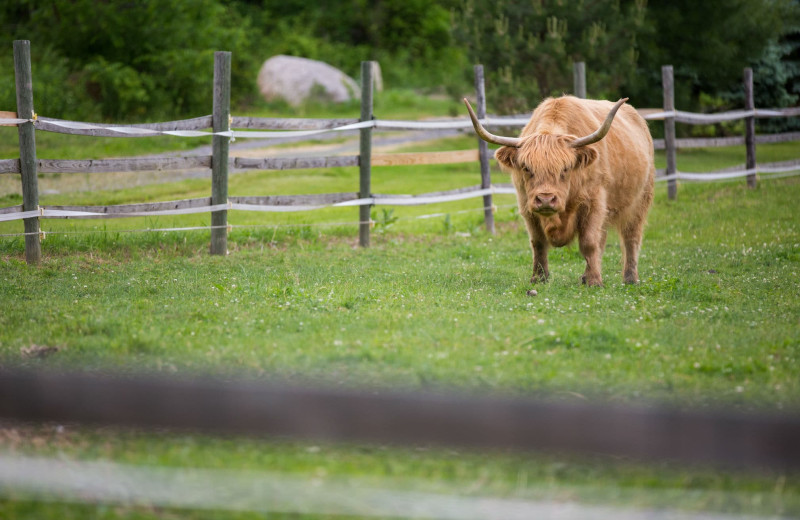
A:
602, 131
514, 142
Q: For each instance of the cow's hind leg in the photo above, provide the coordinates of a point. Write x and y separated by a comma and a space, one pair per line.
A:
631, 231
631, 242
591, 243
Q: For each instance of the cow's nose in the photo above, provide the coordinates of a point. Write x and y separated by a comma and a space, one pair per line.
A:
545, 200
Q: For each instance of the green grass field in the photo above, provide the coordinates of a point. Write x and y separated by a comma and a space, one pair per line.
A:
433, 303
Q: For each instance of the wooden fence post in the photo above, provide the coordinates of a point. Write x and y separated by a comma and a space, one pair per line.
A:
365, 153
750, 127
483, 151
579, 79
27, 149
668, 82
220, 148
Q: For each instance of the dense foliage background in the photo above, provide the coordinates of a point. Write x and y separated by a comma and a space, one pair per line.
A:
125, 61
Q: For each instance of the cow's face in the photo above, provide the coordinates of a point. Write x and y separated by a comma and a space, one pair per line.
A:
548, 168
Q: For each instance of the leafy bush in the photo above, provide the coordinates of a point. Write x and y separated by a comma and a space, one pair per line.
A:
130, 59
776, 83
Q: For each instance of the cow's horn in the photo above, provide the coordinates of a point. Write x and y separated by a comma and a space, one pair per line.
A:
602, 131
514, 142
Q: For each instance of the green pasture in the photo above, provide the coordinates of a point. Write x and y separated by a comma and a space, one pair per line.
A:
435, 302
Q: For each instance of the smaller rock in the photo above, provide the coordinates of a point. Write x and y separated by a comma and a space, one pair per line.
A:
38, 351
712, 271
532, 292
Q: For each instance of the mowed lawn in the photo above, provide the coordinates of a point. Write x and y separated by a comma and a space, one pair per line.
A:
435, 302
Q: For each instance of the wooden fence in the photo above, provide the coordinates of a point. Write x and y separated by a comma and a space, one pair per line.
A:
221, 122
723, 438
606, 432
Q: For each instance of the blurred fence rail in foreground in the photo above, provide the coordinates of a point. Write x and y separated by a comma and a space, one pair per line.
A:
721, 438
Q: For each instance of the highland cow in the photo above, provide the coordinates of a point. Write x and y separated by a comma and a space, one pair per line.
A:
575, 174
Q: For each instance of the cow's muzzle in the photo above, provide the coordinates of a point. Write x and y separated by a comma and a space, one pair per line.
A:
545, 203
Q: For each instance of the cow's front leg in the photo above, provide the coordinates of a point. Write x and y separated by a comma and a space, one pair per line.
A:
539, 246
541, 272
591, 241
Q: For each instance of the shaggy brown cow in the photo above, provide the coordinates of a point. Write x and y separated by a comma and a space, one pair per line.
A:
568, 185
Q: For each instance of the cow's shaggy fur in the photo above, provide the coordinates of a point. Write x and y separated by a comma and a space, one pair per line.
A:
589, 188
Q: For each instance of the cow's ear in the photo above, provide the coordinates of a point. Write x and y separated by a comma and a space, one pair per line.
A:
586, 155
507, 156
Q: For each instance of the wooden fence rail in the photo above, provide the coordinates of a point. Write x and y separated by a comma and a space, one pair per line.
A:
28, 166
723, 437
198, 123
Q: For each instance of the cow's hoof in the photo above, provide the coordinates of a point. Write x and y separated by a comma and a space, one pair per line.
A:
540, 278
630, 278
591, 281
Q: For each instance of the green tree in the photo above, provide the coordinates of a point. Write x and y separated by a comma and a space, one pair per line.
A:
528, 47
707, 43
776, 83
776, 77
125, 60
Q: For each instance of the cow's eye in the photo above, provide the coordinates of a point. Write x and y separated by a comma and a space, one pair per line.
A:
526, 169
564, 173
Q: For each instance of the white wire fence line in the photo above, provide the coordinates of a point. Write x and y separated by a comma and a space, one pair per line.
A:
56, 125
204, 205
105, 482
282, 225
765, 171
290, 204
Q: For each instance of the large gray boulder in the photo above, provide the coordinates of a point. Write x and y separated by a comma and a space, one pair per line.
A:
298, 79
